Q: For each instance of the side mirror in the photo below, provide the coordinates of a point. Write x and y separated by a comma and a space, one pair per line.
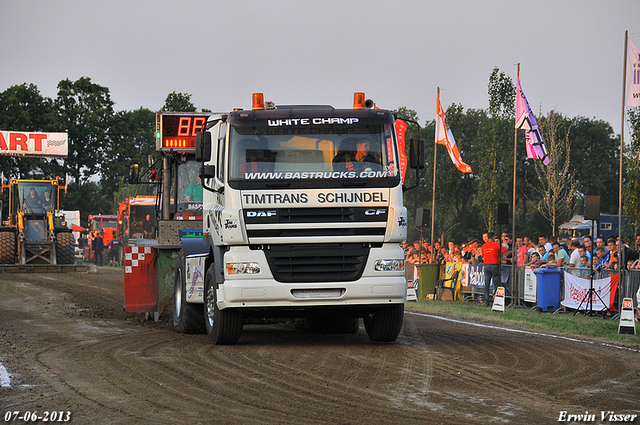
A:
416, 153
208, 172
134, 173
203, 146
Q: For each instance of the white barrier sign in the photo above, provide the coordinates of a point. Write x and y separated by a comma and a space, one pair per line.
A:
25, 143
576, 293
530, 285
498, 300
627, 323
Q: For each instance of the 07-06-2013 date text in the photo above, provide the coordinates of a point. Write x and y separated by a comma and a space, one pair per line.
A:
35, 416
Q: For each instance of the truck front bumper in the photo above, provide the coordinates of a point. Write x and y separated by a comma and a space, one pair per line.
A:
261, 290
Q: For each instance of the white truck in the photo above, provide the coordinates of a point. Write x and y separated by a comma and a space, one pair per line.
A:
302, 217
578, 228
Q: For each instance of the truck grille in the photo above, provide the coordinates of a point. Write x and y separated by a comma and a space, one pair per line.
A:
266, 226
317, 262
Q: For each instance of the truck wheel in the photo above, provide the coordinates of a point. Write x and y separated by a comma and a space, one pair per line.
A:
187, 317
224, 327
7, 248
384, 324
64, 248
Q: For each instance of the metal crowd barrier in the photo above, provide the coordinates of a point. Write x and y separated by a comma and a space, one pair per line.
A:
628, 288
513, 279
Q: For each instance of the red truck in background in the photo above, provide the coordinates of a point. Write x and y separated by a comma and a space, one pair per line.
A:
107, 225
137, 218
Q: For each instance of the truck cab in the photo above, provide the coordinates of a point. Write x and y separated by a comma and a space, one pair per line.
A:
303, 216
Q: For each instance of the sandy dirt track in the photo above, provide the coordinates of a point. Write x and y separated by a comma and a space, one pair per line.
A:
68, 345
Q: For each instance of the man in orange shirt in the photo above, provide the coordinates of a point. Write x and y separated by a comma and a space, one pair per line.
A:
492, 252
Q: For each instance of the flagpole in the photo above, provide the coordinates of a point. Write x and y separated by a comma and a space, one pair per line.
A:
514, 245
621, 264
433, 191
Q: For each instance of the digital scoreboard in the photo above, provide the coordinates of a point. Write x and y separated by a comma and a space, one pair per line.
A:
176, 130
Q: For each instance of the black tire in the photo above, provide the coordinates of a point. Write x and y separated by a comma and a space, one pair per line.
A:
188, 318
65, 248
224, 327
384, 323
7, 248
105, 257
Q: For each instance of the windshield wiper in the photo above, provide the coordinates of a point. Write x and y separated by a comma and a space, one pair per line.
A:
278, 184
354, 184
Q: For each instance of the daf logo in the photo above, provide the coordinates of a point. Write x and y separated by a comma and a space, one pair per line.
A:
261, 213
375, 211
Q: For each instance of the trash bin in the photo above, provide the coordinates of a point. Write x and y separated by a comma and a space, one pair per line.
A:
428, 274
548, 288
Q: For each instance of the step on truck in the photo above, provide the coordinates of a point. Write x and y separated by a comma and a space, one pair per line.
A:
302, 218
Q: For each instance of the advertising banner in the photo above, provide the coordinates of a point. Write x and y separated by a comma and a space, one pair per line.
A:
530, 285
24, 143
576, 289
476, 275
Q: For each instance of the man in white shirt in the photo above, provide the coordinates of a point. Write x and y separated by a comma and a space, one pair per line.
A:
544, 240
574, 261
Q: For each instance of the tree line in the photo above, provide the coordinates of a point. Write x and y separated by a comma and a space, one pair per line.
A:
584, 154
102, 141
584, 151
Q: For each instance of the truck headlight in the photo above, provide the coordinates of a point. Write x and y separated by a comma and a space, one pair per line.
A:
388, 265
243, 268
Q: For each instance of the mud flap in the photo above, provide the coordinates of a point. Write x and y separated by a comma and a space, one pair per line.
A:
196, 253
194, 277
140, 279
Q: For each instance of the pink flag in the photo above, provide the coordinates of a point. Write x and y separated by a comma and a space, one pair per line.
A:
527, 121
445, 137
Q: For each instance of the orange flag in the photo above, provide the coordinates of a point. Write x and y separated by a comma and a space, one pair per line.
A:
445, 137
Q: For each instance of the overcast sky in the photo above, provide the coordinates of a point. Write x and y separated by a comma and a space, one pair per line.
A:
320, 52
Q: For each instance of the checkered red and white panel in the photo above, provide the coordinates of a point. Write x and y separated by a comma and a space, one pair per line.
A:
134, 255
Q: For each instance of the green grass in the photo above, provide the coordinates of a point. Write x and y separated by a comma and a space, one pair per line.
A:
591, 328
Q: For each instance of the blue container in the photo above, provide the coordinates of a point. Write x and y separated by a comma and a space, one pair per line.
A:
548, 288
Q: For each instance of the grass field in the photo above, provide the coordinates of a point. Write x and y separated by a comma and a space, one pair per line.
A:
592, 328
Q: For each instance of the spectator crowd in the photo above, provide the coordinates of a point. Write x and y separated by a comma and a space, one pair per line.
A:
547, 252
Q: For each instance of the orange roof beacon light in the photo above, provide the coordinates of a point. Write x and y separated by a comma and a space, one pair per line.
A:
358, 100
258, 101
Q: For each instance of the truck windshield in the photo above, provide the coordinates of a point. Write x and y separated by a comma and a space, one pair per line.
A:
37, 197
100, 223
578, 233
189, 186
565, 233
312, 153
138, 216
